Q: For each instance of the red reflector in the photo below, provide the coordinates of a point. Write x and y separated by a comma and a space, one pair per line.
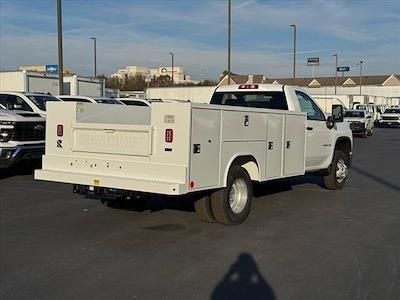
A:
248, 86
169, 135
60, 130
192, 184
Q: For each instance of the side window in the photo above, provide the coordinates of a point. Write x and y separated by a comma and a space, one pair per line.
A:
14, 102
308, 106
74, 100
24, 105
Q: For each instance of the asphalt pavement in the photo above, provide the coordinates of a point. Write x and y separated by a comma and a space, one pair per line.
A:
299, 242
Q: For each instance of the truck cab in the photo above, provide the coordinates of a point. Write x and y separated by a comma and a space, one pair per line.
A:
28, 102
321, 134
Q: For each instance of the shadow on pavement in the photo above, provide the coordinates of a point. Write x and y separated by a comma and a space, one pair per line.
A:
23, 169
157, 203
283, 185
376, 178
243, 281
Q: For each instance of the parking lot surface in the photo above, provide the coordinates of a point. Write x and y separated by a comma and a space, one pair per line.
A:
299, 242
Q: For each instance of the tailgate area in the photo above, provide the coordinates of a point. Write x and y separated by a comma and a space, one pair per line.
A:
118, 146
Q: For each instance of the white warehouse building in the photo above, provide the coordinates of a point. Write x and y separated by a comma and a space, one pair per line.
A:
179, 75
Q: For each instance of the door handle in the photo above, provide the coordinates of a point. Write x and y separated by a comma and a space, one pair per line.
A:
288, 144
310, 128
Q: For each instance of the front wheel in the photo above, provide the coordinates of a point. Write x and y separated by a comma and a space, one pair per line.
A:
370, 131
231, 205
338, 172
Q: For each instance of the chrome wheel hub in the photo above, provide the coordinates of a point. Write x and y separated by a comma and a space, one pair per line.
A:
238, 195
341, 170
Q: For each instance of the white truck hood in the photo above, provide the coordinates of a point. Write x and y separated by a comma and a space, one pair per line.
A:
20, 116
362, 120
390, 115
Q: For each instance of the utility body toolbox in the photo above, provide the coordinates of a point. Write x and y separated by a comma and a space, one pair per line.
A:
169, 148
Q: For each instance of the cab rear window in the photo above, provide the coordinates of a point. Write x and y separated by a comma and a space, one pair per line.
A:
271, 100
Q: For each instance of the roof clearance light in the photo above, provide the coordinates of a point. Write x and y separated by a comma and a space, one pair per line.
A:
248, 86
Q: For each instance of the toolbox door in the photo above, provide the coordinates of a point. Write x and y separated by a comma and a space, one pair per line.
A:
205, 148
294, 145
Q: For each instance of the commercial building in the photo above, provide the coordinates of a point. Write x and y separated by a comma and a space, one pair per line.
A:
151, 73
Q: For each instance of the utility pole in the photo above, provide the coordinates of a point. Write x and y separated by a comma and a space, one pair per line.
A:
361, 63
172, 58
229, 41
294, 50
60, 50
336, 60
94, 56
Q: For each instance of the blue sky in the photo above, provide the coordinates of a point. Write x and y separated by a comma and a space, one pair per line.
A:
143, 32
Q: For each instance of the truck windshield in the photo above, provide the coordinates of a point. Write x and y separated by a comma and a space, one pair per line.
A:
354, 114
392, 111
40, 100
271, 100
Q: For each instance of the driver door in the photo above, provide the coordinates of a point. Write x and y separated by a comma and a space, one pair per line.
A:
319, 144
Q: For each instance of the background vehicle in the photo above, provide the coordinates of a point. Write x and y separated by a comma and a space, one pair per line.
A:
248, 133
26, 101
22, 137
85, 99
360, 122
391, 117
137, 102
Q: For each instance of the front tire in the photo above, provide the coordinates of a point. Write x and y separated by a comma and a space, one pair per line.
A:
231, 205
338, 172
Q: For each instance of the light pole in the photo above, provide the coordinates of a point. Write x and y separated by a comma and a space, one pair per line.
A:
360, 64
229, 42
294, 50
336, 60
172, 58
94, 56
60, 50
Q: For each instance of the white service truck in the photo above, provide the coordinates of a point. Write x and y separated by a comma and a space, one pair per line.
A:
214, 151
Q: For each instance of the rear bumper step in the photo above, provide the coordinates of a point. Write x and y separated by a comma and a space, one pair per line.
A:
155, 187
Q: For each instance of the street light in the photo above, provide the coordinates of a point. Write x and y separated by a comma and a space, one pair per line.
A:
60, 50
360, 64
229, 42
294, 50
336, 60
94, 56
172, 58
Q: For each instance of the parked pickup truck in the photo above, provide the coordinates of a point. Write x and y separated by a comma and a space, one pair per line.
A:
391, 117
360, 122
22, 137
213, 151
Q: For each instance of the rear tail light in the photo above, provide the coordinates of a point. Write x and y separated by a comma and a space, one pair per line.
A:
60, 130
169, 135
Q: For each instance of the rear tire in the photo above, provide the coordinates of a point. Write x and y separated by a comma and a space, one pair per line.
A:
338, 172
203, 209
231, 205
364, 134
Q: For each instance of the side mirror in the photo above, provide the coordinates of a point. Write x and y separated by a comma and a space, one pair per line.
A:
17, 106
337, 113
329, 122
